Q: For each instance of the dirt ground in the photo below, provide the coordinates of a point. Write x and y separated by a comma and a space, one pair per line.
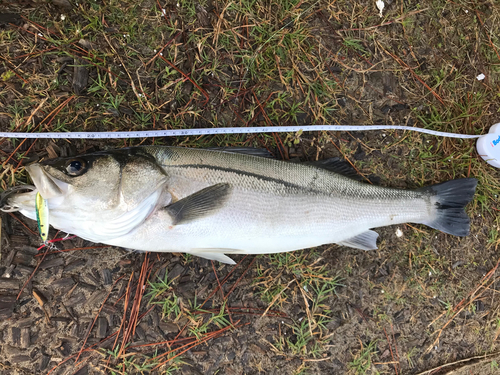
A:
423, 303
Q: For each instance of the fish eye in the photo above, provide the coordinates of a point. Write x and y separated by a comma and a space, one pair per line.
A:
76, 167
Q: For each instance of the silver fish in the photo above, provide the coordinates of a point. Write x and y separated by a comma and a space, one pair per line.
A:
212, 203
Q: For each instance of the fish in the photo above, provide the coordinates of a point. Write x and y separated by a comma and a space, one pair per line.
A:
219, 203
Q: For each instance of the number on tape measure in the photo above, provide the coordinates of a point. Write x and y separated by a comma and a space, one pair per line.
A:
208, 131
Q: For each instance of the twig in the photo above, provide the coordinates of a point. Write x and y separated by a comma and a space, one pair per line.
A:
347, 159
491, 43
456, 362
95, 319
74, 355
276, 298
14, 70
26, 153
239, 279
224, 280
74, 249
461, 305
24, 225
392, 354
31, 276
405, 65
138, 95
399, 19
188, 78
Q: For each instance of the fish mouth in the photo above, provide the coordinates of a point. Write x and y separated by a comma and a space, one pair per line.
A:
48, 186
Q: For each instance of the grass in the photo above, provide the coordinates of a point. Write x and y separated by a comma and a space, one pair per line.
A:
161, 293
363, 361
313, 286
138, 363
304, 267
191, 64
203, 320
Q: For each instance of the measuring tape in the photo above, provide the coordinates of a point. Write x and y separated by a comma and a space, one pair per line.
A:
488, 145
213, 131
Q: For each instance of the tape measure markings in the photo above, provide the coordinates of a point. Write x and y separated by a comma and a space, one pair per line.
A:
215, 131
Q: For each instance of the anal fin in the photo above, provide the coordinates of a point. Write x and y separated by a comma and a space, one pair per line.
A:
364, 241
213, 254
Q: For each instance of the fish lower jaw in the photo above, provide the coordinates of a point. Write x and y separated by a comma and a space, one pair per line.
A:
24, 203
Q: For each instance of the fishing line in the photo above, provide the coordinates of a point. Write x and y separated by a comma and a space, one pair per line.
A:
488, 145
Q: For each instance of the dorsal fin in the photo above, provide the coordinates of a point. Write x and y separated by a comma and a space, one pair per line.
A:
260, 152
336, 165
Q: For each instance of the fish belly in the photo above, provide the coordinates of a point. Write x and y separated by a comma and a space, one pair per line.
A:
256, 223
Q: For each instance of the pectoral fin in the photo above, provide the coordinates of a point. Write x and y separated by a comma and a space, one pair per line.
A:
199, 204
364, 241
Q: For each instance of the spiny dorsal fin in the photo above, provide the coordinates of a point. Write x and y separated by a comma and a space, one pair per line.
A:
199, 204
336, 165
260, 152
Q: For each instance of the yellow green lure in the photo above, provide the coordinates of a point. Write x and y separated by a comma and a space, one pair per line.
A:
42, 216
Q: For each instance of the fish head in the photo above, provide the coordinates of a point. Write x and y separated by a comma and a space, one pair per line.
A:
83, 180
106, 192
99, 181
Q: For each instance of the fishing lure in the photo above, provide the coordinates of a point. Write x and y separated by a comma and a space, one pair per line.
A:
42, 217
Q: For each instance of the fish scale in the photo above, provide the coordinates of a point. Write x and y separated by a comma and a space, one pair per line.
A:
214, 203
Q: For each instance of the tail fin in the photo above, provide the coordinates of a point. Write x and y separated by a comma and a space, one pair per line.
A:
450, 199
